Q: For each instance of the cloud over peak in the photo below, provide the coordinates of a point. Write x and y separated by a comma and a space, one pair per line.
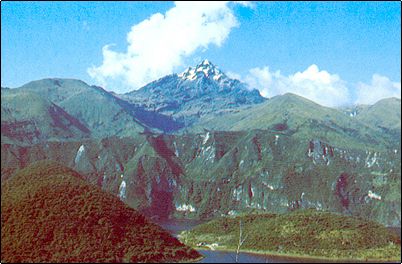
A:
159, 44
379, 88
320, 86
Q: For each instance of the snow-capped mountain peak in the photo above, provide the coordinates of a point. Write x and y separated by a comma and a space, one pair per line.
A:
203, 69
205, 62
198, 90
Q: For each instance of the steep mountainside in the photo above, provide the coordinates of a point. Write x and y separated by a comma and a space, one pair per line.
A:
215, 173
102, 112
50, 214
28, 118
194, 93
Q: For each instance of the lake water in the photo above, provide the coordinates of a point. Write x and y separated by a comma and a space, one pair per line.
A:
216, 256
229, 257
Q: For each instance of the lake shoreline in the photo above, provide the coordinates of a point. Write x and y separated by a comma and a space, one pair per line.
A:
177, 226
193, 260
291, 256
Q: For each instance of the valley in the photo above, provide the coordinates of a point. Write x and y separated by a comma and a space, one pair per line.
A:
200, 146
200, 132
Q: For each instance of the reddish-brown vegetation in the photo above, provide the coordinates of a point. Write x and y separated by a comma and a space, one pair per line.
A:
49, 214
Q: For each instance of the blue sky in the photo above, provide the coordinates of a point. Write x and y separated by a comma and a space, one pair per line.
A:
354, 45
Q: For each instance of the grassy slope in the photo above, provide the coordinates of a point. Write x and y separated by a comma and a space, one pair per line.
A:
103, 112
385, 113
303, 119
93, 106
316, 234
49, 214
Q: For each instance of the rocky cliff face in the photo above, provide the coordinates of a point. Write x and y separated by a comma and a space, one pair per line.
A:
224, 173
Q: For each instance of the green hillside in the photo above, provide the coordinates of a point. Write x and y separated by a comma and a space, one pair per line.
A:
101, 111
301, 118
305, 233
50, 214
29, 118
384, 115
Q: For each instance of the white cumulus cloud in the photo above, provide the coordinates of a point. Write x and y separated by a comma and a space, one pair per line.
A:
379, 88
233, 75
159, 44
318, 85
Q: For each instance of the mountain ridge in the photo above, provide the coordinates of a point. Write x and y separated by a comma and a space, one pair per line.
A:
295, 114
107, 114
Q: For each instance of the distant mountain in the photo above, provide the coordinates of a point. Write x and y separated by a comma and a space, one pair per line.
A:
28, 118
295, 115
102, 112
194, 93
50, 214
